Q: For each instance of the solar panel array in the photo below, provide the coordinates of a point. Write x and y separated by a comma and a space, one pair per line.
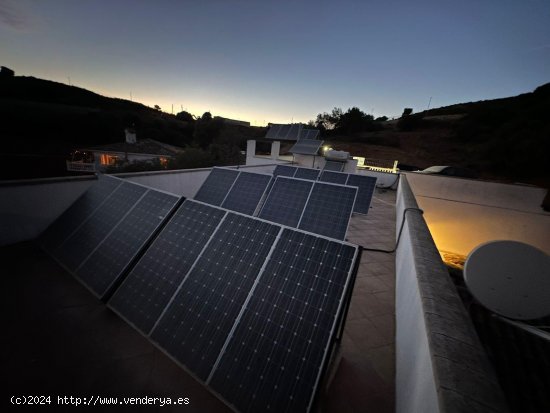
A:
248, 306
289, 132
232, 189
306, 147
365, 187
334, 166
97, 238
317, 207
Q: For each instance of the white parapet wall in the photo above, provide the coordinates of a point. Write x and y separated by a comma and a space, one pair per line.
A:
27, 207
463, 213
440, 363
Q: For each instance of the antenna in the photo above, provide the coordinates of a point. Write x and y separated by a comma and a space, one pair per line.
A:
430, 101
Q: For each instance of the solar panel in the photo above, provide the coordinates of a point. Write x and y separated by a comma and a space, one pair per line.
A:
93, 231
106, 264
216, 186
309, 134
284, 170
286, 200
146, 291
306, 147
334, 177
365, 188
307, 173
246, 193
328, 210
274, 359
334, 166
78, 212
196, 324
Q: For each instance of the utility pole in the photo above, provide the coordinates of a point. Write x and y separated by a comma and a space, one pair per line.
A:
429, 103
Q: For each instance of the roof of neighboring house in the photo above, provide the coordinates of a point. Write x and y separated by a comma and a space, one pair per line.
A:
142, 146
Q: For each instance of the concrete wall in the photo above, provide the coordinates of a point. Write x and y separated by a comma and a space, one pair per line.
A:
440, 364
27, 207
463, 213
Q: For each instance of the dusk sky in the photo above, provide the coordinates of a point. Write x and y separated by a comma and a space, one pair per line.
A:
282, 61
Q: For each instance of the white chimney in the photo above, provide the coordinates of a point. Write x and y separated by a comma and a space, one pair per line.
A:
130, 135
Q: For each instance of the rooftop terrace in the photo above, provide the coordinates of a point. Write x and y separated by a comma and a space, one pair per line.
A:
63, 341
408, 345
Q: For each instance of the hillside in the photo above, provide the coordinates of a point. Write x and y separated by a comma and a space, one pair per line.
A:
503, 139
43, 121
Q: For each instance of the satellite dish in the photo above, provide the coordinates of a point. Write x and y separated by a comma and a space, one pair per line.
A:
510, 278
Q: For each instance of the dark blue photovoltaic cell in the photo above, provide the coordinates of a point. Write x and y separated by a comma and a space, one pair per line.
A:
366, 186
93, 231
105, 265
150, 285
246, 192
286, 200
307, 173
197, 322
284, 170
216, 186
334, 166
274, 358
78, 212
334, 177
328, 210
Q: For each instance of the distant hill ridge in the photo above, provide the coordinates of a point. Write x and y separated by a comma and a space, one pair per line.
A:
507, 137
39, 90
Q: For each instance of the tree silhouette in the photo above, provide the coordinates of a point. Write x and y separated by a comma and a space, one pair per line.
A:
185, 116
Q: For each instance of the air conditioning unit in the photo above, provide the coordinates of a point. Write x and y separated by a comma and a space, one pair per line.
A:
332, 155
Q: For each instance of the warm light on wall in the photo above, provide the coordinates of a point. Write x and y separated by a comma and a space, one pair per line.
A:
107, 159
